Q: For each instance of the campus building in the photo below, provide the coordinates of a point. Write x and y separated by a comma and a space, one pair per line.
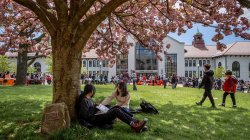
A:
140, 60
235, 57
187, 60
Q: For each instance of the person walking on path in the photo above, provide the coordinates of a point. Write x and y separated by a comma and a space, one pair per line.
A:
207, 82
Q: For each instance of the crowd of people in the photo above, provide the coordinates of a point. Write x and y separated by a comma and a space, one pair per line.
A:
31, 78
94, 79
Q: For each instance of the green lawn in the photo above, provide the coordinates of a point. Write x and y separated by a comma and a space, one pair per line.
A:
179, 118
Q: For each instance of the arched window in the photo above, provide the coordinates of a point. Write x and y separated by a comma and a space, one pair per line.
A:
37, 66
236, 68
94, 63
219, 64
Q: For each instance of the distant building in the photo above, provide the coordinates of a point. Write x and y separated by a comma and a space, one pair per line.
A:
187, 60
235, 57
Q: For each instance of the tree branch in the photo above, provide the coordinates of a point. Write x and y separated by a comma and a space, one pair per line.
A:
94, 20
46, 19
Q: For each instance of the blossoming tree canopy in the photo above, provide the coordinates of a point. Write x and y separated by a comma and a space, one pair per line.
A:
21, 28
105, 25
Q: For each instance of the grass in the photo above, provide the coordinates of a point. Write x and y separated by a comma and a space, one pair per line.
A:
179, 118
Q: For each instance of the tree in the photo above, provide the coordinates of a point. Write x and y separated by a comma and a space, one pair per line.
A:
104, 25
22, 33
219, 72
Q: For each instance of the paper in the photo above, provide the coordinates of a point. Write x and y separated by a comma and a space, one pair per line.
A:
103, 109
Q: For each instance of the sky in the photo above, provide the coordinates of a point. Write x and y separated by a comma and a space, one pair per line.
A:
208, 33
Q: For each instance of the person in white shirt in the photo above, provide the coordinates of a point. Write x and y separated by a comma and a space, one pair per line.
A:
121, 95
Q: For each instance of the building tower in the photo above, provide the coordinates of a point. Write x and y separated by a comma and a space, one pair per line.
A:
198, 41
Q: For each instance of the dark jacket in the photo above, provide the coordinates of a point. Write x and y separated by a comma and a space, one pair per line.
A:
207, 80
87, 109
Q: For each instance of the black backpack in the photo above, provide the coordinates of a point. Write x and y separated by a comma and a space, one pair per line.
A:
148, 108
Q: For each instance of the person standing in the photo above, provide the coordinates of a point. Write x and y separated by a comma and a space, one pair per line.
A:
230, 88
134, 78
174, 81
207, 82
164, 80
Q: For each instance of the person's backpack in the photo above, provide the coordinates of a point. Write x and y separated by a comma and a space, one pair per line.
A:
148, 108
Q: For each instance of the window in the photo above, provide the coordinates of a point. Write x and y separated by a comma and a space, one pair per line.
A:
194, 63
204, 62
37, 66
186, 73
219, 64
121, 63
94, 63
84, 63
186, 63
194, 74
236, 69
208, 61
90, 63
145, 58
200, 63
190, 63
170, 64
105, 63
200, 73
190, 74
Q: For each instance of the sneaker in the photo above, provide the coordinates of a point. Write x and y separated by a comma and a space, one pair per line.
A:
198, 103
138, 126
234, 106
222, 105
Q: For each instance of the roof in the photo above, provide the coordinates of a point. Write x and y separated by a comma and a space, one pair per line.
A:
194, 52
15, 54
237, 48
91, 54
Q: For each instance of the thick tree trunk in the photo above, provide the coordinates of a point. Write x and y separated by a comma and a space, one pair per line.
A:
66, 73
22, 67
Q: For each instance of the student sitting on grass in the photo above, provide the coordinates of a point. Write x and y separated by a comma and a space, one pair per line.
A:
121, 95
86, 108
230, 88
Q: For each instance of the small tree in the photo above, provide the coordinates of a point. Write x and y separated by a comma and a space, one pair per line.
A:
4, 64
31, 69
49, 62
219, 72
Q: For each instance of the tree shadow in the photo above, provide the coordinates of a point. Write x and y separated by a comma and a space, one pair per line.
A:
195, 122
20, 118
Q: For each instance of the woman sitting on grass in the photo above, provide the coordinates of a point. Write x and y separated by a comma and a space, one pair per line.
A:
87, 110
121, 95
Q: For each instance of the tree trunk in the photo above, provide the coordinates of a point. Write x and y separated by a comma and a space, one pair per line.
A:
22, 67
66, 73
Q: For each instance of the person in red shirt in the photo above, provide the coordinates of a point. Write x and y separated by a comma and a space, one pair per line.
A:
229, 87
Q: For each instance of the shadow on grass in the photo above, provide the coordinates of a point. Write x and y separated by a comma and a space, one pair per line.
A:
174, 122
20, 118
195, 122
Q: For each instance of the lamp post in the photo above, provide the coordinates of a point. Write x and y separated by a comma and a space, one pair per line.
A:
198, 65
